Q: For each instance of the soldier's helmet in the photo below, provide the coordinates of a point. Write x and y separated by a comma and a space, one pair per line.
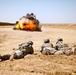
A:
46, 40
60, 39
30, 42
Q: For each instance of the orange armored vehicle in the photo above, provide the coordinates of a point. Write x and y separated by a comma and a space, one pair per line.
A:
28, 22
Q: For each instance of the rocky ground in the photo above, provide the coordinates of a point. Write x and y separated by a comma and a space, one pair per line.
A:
38, 64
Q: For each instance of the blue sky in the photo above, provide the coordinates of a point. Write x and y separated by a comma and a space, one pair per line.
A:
47, 11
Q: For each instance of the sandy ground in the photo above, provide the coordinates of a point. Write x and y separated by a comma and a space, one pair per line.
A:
38, 64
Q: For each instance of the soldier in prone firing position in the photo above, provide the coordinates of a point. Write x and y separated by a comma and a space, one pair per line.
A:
47, 48
24, 49
60, 46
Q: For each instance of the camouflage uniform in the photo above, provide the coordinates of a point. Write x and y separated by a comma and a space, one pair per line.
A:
17, 54
24, 49
58, 53
59, 44
68, 51
47, 48
31, 50
63, 48
27, 48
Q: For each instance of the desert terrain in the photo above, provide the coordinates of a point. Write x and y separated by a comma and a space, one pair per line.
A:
38, 64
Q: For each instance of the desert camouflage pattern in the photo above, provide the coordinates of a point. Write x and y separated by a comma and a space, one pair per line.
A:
59, 49
47, 48
24, 49
17, 54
